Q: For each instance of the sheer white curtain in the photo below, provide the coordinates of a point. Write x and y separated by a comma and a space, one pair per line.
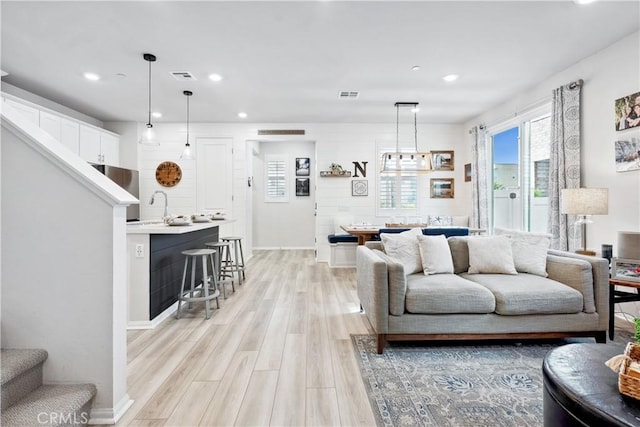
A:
564, 168
480, 168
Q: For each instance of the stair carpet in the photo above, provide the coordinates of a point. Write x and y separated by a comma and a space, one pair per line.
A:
27, 402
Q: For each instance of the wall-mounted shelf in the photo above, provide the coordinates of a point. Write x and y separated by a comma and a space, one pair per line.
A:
337, 174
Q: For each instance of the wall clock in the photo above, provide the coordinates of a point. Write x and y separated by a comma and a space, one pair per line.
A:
168, 174
359, 187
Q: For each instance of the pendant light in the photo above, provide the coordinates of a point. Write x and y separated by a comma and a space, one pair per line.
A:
398, 161
148, 137
186, 153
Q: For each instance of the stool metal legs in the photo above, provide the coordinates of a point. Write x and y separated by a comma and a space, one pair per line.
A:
206, 296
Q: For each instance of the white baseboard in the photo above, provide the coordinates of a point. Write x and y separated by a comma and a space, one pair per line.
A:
269, 248
111, 415
151, 324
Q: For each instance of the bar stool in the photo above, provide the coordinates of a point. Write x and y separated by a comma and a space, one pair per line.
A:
237, 264
206, 296
222, 255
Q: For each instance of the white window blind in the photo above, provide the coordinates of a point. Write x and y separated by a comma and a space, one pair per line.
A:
276, 180
398, 190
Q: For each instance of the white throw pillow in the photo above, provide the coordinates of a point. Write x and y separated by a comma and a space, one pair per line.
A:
490, 255
435, 254
440, 220
404, 248
529, 250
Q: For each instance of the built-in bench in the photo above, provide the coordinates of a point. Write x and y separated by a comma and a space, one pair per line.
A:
342, 249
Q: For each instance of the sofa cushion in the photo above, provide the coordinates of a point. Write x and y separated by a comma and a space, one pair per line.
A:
490, 255
459, 253
576, 273
446, 294
435, 254
529, 294
529, 250
397, 283
404, 248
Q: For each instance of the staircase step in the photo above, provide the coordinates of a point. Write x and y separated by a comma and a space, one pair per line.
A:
20, 373
52, 405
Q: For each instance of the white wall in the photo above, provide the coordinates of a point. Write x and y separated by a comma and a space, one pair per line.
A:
290, 224
335, 143
608, 75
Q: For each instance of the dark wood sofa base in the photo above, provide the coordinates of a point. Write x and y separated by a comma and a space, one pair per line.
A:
600, 337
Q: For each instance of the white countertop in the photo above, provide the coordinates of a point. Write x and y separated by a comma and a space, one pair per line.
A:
155, 227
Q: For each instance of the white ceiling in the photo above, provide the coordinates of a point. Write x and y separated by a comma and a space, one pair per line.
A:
287, 61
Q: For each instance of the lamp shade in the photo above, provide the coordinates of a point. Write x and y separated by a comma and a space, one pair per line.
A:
584, 201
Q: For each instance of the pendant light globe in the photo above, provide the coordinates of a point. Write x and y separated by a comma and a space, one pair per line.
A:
148, 136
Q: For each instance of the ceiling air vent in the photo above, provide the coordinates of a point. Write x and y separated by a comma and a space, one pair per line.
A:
281, 132
348, 94
183, 76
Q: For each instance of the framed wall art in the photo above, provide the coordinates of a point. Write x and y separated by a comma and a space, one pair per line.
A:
359, 187
627, 155
442, 188
627, 111
442, 160
303, 166
302, 186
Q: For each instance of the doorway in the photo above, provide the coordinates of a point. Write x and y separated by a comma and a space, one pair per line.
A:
283, 194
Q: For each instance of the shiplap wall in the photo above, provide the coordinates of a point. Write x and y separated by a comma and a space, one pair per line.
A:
335, 143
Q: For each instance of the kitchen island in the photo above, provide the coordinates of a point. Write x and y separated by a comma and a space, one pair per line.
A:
155, 266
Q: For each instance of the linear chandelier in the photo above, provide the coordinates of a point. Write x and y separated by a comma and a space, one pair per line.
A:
408, 161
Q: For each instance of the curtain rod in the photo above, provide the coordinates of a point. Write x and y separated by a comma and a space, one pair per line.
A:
572, 85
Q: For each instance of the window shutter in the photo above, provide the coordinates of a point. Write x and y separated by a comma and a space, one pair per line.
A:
276, 180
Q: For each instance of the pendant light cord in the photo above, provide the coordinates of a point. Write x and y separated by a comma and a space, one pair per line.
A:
187, 121
149, 122
397, 127
415, 128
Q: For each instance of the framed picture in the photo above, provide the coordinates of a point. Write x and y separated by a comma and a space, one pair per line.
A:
442, 160
627, 155
627, 111
625, 269
302, 166
442, 188
302, 186
359, 187
467, 172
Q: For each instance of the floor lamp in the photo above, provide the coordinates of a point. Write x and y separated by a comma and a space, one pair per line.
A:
584, 202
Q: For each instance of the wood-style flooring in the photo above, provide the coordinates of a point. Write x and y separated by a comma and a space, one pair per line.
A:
278, 352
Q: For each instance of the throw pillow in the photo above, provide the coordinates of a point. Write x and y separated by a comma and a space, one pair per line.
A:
440, 220
490, 255
404, 248
529, 250
435, 254
459, 253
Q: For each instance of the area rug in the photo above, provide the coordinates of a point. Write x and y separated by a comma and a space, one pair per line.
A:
454, 384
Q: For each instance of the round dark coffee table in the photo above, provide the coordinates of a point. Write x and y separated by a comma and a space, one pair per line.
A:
580, 390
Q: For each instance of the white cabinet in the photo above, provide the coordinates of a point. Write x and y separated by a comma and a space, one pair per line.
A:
29, 112
110, 148
64, 130
99, 147
70, 134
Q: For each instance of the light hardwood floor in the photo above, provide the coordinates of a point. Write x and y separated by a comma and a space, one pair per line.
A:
277, 352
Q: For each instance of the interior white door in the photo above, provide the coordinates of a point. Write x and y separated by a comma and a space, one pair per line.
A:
214, 175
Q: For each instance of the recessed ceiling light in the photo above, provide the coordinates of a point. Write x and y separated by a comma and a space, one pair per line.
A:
91, 76
3, 73
450, 78
415, 68
215, 77
583, 1
156, 114
242, 115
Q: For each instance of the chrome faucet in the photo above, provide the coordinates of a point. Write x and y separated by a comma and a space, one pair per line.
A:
165, 216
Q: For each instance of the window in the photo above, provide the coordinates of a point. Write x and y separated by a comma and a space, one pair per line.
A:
276, 179
520, 153
397, 191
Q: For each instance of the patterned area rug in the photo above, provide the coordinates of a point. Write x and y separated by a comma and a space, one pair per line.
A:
453, 384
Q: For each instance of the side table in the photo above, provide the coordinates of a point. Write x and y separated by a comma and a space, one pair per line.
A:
616, 296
